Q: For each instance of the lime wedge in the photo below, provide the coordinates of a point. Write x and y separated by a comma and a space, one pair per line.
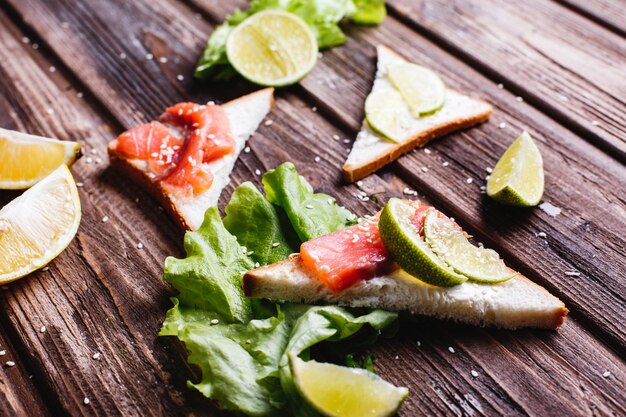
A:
450, 243
409, 249
26, 159
338, 391
272, 48
38, 225
421, 88
387, 114
517, 179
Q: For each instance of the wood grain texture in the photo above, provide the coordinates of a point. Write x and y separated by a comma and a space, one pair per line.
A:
581, 179
609, 13
19, 395
571, 70
104, 294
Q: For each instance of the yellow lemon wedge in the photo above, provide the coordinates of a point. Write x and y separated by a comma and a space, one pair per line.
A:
26, 159
37, 226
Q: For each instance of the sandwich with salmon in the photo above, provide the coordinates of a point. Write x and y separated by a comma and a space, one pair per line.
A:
410, 257
185, 158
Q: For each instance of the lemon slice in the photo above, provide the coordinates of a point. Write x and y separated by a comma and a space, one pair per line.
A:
26, 159
410, 250
338, 391
517, 178
38, 225
450, 244
272, 48
387, 114
421, 88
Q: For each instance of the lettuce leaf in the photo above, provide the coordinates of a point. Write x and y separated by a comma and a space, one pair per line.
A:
209, 278
241, 346
245, 367
323, 17
311, 215
258, 226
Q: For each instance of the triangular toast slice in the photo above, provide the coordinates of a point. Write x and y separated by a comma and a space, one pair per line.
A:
511, 304
371, 152
245, 114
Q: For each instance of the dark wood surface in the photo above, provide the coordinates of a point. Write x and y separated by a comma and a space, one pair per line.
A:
103, 295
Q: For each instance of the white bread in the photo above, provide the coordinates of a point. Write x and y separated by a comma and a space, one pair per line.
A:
245, 114
512, 304
371, 152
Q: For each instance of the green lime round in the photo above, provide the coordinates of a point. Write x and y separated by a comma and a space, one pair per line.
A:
410, 250
272, 48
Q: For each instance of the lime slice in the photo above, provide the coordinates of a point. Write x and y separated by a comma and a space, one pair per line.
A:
387, 114
338, 391
26, 159
421, 88
450, 243
517, 179
410, 250
272, 48
38, 225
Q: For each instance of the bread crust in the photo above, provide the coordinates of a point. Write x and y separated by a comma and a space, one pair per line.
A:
141, 177
355, 173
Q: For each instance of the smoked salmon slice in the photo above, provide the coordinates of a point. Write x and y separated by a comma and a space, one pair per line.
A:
343, 258
178, 147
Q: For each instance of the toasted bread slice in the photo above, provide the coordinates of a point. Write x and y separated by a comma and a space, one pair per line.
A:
511, 304
245, 115
371, 152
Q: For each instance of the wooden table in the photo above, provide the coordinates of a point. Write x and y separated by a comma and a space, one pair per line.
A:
87, 70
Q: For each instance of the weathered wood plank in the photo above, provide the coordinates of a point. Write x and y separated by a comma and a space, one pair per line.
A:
19, 395
572, 70
538, 356
609, 13
103, 294
581, 179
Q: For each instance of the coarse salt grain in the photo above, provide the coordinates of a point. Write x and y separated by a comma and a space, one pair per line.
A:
595, 122
246, 149
317, 159
500, 86
163, 60
550, 210
105, 219
336, 137
180, 77
542, 234
469, 180
3, 352
215, 321
519, 99
451, 349
139, 245
42, 329
572, 273
313, 109
269, 122
445, 164
308, 206
474, 373
424, 169
489, 170
96, 356
275, 244
258, 172
502, 125
149, 56
606, 374
10, 363
427, 151
86, 401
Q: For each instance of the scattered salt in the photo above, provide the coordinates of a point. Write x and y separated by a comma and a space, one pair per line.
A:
215, 321
550, 210
139, 245
10, 363
258, 172
269, 122
86, 401
451, 349
519, 99
474, 373
105, 219
180, 77
469, 180
606, 374
572, 273
502, 125
96, 355
445, 164
42, 329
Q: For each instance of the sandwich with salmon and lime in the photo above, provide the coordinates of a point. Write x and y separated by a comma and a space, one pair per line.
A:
410, 257
185, 158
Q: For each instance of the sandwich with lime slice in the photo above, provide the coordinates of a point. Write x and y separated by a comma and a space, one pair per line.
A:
410, 257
